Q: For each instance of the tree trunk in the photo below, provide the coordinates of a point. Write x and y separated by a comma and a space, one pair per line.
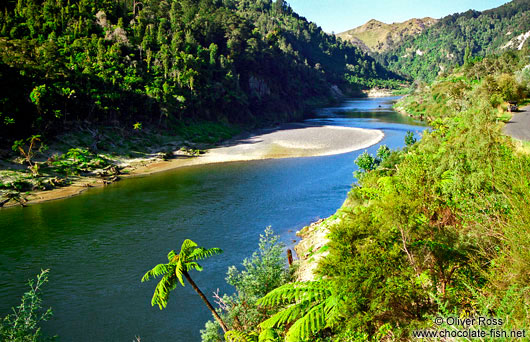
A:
214, 313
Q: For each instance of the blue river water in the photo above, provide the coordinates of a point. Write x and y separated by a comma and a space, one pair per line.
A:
99, 244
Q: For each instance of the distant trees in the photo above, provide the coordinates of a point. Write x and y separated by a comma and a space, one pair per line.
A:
458, 39
131, 61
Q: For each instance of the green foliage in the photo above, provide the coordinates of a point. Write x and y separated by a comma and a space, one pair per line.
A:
383, 152
367, 162
76, 161
459, 39
207, 132
312, 307
178, 265
261, 273
410, 139
28, 148
523, 78
238, 336
493, 80
160, 62
23, 324
510, 307
264, 271
442, 219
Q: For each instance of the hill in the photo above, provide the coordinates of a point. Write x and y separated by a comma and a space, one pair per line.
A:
163, 63
443, 46
376, 36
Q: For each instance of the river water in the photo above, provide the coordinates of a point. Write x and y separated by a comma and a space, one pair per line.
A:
99, 244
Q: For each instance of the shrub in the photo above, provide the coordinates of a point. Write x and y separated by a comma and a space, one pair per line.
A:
263, 272
23, 324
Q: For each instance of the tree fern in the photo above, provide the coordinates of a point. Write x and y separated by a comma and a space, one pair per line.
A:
176, 269
267, 335
239, 336
312, 306
297, 292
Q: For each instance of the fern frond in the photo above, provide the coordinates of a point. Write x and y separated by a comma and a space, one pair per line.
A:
175, 269
203, 253
162, 289
239, 336
179, 270
332, 310
192, 265
187, 247
308, 325
296, 292
158, 270
286, 316
268, 335
172, 256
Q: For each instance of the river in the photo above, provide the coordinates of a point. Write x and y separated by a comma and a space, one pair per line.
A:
99, 244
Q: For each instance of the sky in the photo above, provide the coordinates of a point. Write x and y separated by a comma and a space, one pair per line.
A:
341, 15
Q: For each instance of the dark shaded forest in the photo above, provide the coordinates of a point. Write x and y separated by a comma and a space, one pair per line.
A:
159, 62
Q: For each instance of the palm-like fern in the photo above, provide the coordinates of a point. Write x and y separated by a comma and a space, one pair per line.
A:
176, 269
239, 336
265, 336
312, 306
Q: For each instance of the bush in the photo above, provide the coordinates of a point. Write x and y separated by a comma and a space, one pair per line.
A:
523, 78
23, 324
262, 273
441, 232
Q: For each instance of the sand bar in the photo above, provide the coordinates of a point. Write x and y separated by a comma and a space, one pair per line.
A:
285, 141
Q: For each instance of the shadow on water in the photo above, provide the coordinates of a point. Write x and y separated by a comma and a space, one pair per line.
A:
99, 244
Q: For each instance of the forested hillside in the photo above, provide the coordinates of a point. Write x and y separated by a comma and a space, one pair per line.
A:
157, 62
458, 37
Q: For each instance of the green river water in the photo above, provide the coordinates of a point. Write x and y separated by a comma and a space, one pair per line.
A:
99, 244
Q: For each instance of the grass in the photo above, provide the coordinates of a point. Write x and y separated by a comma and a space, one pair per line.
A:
504, 117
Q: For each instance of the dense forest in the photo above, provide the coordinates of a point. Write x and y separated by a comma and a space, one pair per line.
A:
458, 37
157, 62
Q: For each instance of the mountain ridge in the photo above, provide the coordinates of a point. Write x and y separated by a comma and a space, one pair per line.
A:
376, 36
459, 37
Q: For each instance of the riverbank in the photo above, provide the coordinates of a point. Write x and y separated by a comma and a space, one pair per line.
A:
314, 238
377, 92
284, 141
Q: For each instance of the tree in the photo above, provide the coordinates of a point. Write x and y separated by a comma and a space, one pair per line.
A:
467, 56
178, 267
410, 139
279, 6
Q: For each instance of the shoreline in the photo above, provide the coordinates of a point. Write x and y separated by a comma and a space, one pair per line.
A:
314, 237
378, 92
284, 141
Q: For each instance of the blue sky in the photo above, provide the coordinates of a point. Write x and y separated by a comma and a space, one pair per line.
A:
342, 15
